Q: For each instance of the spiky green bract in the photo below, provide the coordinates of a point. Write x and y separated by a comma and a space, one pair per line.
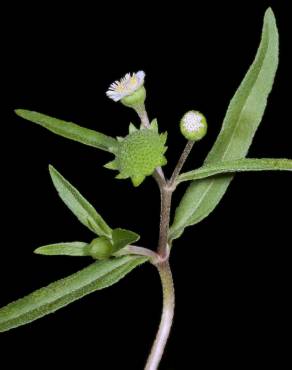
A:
139, 154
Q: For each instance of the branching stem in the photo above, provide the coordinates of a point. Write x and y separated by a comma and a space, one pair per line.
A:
161, 258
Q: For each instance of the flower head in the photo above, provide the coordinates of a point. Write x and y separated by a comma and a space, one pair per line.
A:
127, 86
193, 125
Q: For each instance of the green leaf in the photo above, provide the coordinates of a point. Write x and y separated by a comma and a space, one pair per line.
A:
121, 238
238, 165
81, 208
46, 300
243, 116
65, 249
70, 130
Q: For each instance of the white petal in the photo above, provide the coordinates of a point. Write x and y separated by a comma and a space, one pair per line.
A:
140, 75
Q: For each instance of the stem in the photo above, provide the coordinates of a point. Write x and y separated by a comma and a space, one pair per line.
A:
162, 263
181, 161
166, 318
142, 113
159, 177
140, 251
166, 191
166, 195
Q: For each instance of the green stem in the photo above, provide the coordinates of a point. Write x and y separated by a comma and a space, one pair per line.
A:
166, 318
142, 113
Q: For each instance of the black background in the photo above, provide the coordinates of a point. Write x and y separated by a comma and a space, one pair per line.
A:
231, 271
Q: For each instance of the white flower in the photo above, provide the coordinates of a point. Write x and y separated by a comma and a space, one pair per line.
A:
126, 86
192, 121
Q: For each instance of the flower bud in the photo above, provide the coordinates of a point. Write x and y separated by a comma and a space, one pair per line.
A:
193, 125
100, 248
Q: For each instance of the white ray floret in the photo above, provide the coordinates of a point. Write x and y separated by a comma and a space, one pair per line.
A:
126, 86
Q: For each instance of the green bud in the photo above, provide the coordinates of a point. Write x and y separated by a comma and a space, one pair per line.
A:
100, 248
136, 99
193, 125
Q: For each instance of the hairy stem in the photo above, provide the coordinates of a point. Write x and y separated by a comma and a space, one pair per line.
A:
166, 195
166, 190
162, 263
166, 317
159, 177
181, 161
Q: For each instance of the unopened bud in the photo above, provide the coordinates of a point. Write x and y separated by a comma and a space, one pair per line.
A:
100, 248
193, 125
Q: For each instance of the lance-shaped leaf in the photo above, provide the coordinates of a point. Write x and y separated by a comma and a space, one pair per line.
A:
70, 130
239, 165
243, 116
46, 300
81, 208
121, 238
64, 249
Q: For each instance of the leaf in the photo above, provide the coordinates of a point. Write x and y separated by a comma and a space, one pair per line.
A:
46, 300
81, 208
243, 116
239, 165
121, 238
65, 249
70, 130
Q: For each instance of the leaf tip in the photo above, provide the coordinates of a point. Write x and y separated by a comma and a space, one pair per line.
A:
269, 12
52, 170
269, 17
54, 174
19, 112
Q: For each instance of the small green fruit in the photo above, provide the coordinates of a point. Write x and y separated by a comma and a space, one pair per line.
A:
139, 154
100, 248
193, 125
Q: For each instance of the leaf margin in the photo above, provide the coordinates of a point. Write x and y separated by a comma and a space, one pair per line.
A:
10, 320
239, 165
70, 130
94, 222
